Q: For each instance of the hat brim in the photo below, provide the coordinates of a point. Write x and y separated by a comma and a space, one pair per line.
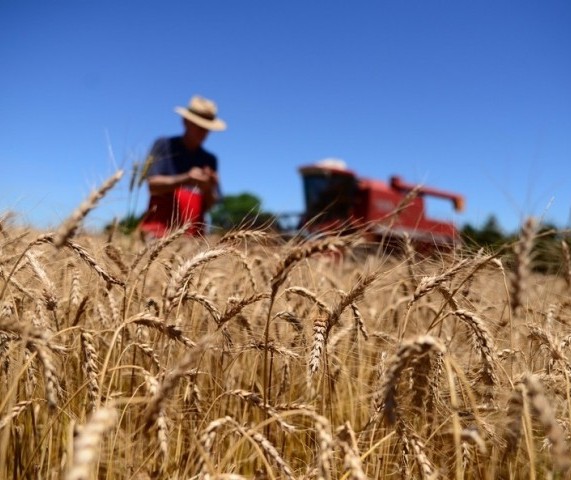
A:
216, 125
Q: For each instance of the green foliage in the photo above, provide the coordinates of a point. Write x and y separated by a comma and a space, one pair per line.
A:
242, 210
489, 236
547, 252
126, 225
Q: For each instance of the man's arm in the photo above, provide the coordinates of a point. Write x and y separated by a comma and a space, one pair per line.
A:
159, 184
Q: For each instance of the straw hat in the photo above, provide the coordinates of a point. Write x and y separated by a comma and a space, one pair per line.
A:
202, 112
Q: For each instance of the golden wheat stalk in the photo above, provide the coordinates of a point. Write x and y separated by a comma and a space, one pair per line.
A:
234, 236
51, 383
351, 458
49, 290
87, 442
36, 341
178, 283
520, 277
448, 296
91, 369
429, 283
192, 398
208, 304
272, 347
114, 253
567, 263
306, 293
68, 228
512, 433
319, 343
285, 380
347, 299
170, 381
545, 415
270, 450
545, 338
484, 344
161, 418
386, 403
255, 399
359, 323
410, 257
413, 444
149, 351
10, 280
171, 331
246, 264
302, 252
296, 323
326, 443
155, 248
205, 465
324, 322
285, 266
75, 288
85, 256
15, 411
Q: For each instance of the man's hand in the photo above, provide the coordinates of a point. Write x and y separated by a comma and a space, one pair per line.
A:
199, 177
210, 190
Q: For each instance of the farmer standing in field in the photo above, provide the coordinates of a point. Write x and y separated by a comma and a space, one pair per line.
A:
181, 175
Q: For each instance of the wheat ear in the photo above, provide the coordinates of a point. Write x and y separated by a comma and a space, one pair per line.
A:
36, 341
207, 441
255, 399
171, 331
49, 290
234, 306
86, 257
170, 382
555, 350
91, 369
269, 449
546, 417
326, 443
324, 322
302, 252
484, 344
306, 293
69, 226
234, 236
385, 403
412, 443
567, 263
86, 444
115, 254
14, 412
178, 282
351, 459
160, 419
520, 276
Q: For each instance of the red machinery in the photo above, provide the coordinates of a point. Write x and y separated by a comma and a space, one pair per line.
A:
336, 198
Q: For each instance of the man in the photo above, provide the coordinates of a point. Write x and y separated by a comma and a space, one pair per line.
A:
181, 175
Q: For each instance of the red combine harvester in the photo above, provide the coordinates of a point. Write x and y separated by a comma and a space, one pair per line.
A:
337, 199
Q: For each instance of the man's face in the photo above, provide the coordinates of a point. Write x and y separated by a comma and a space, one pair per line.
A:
198, 134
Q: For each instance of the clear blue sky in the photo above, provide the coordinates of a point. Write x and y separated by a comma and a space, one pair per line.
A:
471, 97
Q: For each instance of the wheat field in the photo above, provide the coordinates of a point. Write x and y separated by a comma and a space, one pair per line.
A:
249, 356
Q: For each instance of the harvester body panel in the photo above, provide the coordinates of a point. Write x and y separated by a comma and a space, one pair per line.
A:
337, 199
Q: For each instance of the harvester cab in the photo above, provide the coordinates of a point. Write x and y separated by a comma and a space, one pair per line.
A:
336, 199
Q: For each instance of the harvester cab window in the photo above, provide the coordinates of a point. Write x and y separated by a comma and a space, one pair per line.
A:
329, 196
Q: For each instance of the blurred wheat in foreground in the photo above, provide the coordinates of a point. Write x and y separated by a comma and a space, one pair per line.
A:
246, 356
